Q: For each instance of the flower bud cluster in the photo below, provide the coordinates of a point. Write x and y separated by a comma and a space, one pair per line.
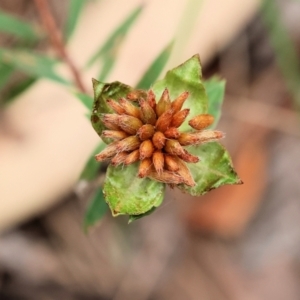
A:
148, 131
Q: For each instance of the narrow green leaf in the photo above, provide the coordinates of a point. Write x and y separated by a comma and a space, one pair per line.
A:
31, 63
17, 89
285, 51
127, 194
92, 166
86, 100
75, 8
186, 77
215, 89
108, 63
21, 29
155, 68
114, 42
95, 211
136, 217
102, 92
213, 170
6, 72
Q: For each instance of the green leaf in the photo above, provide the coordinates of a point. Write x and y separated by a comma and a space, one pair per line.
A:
95, 211
21, 29
155, 68
126, 194
136, 217
75, 8
186, 77
17, 89
215, 89
286, 52
86, 100
108, 64
6, 72
213, 170
102, 92
110, 50
92, 166
31, 63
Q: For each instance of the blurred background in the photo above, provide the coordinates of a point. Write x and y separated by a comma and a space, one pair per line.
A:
236, 242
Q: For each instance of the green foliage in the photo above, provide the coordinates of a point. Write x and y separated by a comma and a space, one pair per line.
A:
155, 68
186, 77
31, 63
75, 8
86, 100
102, 92
126, 194
108, 53
212, 171
95, 211
286, 55
215, 89
18, 28
6, 72
92, 166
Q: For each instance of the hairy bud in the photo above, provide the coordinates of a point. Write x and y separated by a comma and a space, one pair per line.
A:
164, 120
115, 106
177, 104
200, 137
158, 161
146, 132
114, 134
130, 124
159, 140
146, 149
145, 167
201, 121
148, 115
130, 109
163, 104
179, 117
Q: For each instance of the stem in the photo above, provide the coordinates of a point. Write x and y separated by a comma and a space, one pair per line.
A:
57, 41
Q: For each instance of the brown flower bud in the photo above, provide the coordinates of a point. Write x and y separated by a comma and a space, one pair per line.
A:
200, 137
110, 121
130, 109
173, 147
163, 104
128, 144
171, 163
145, 132
108, 152
132, 157
179, 101
166, 177
136, 95
188, 157
158, 140
148, 115
179, 117
158, 161
146, 149
119, 158
184, 172
172, 133
164, 121
201, 121
114, 134
151, 99
144, 167
115, 106
129, 124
